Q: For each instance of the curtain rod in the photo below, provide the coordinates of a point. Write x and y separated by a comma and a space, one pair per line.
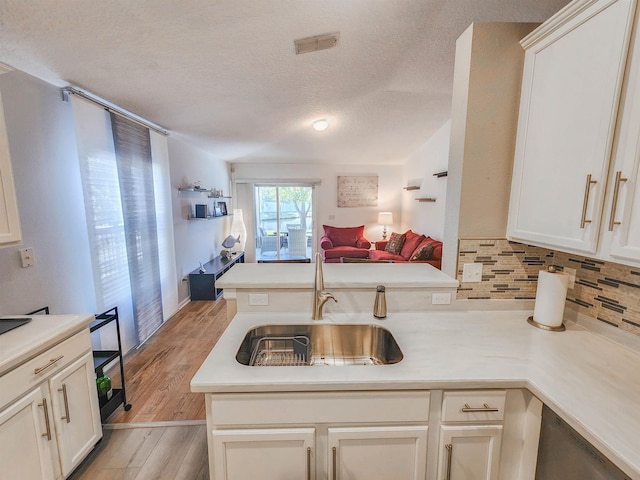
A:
110, 107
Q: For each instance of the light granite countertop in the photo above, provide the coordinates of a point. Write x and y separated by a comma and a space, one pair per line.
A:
42, 332
587, 379
336, 275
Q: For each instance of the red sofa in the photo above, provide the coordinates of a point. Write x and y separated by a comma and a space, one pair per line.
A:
347, 242
413, 242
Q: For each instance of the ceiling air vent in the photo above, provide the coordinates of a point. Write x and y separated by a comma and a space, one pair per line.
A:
314, 44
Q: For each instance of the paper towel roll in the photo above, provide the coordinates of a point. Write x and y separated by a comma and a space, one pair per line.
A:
550, 298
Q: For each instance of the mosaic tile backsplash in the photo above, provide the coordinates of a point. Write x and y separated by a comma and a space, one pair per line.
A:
606, 291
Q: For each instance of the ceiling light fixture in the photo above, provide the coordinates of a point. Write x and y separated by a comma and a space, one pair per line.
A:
321, 124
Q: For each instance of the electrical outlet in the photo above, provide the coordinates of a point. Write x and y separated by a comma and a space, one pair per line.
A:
259, 299
440, 298
472, 272
571, 272
26, 255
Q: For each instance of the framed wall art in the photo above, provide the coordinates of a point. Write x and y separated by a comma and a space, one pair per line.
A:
358, 191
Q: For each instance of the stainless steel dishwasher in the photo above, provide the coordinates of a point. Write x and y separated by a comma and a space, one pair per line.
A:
565, 455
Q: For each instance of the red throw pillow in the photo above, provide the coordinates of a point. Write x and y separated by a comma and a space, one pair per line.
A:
423, 252
396, 241
344, 236
412, 241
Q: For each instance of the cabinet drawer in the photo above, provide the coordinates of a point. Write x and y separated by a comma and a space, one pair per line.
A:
473, 406
24, 377
319, 407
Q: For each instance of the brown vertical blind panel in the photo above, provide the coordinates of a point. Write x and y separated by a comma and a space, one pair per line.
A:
135, 174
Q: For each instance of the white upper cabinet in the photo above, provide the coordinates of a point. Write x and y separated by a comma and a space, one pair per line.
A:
9, 220
621, 228
572, 79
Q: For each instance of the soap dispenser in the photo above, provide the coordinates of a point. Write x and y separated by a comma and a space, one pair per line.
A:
380, 304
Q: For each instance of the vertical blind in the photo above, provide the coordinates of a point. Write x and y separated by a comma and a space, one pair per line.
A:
135, 175
122, 187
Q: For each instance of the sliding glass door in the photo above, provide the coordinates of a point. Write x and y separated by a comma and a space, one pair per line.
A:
284, 222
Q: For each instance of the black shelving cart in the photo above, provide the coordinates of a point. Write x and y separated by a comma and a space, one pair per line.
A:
102, 358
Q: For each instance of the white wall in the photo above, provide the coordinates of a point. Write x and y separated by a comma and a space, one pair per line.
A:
433, 157
50, 203
484, 120
390, 184
195, 240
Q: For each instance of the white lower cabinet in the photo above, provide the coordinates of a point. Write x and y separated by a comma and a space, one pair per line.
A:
75, 411
54, 421
269, 454
383, 435
469, 452
377, 453
25, 448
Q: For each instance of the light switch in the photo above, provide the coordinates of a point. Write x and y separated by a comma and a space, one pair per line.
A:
472, 272
26, 255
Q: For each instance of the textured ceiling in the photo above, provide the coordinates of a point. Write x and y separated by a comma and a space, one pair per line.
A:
224, 73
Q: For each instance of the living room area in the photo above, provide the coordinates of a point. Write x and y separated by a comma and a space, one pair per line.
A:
270, 197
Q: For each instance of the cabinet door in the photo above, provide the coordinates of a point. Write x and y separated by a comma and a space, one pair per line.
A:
571, 86
270, 454
623, 222
469, 452
9, 220
377, 453
26, 438
76, 412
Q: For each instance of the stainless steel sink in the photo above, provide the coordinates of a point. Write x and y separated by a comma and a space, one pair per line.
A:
318, 344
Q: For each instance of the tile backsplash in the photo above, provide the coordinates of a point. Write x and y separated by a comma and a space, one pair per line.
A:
603, 290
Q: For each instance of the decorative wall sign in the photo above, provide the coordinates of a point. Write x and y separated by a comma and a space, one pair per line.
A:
358, 191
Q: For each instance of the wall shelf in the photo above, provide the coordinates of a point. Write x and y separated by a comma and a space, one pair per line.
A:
189, 217
412, 187
440, 174
198, 190
426, 199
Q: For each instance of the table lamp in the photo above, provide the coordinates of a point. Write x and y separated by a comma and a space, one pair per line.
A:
385, 218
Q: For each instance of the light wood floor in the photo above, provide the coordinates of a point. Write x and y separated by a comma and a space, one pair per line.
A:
171, 453
158, 374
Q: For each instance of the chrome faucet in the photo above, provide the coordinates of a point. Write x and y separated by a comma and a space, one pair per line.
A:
320, 297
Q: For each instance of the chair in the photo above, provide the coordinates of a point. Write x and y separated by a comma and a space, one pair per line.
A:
297, 241
269, 243
348, 242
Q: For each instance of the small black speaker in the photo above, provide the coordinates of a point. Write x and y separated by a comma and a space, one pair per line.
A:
201, 211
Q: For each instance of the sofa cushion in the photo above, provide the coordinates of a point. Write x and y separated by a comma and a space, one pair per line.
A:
396, 241
384, 255
423, 252
341, 236
346, 251
411, 242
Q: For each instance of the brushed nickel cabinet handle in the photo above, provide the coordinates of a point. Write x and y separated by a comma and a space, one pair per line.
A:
585, 203
614, 203
334, 453
308, 463
485, 408
51, 363
46, 419
449, 448
67, 417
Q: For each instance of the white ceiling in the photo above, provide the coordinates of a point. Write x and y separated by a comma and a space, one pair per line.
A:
224, 73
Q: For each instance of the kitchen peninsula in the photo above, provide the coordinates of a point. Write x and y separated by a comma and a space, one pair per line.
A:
252, 287
590, 381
